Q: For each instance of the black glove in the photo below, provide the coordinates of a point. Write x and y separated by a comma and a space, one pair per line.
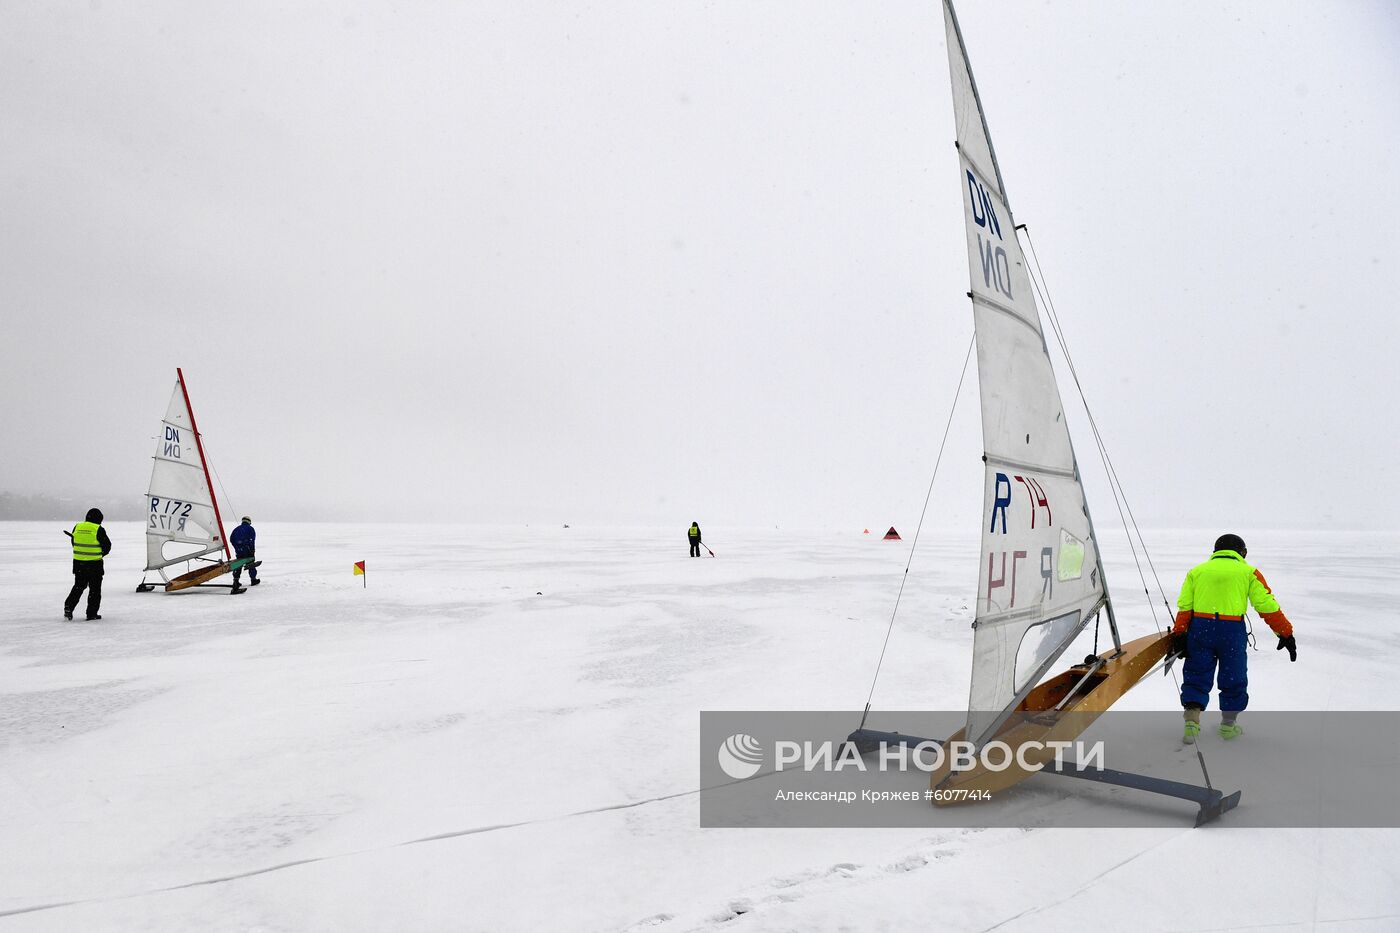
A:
1178, 648
1290, 644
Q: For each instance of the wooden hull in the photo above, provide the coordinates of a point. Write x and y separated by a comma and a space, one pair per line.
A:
204, 574
1036, 719
197, 576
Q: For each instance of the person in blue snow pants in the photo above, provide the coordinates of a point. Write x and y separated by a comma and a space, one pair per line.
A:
244, 540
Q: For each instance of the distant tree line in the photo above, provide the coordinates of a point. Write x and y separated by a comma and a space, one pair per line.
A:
15, 507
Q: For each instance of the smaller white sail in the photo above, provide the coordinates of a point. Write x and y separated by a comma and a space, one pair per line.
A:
181, 520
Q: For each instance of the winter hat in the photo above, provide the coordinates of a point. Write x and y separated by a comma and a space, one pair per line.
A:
247, 520
94, 516
1231, 543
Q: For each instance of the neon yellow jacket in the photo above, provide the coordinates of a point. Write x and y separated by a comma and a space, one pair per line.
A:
1225, 586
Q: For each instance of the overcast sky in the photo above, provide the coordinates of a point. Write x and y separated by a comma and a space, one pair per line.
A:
645, 261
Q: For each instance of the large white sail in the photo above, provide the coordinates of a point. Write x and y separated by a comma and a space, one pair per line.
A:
182, 520
1039, 581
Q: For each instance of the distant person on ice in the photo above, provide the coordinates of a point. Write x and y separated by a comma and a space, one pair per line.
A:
243, 539
1210, 630
694, 535
90, 545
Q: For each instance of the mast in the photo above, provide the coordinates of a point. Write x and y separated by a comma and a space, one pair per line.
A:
203, 462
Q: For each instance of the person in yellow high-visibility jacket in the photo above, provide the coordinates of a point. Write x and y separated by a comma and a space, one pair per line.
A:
1210, 632
90, 545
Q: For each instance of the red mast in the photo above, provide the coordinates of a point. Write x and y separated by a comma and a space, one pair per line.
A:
199, 445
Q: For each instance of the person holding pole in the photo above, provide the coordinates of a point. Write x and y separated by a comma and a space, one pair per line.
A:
90, 545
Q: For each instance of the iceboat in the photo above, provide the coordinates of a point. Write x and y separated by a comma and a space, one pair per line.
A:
1041, 578
183, 522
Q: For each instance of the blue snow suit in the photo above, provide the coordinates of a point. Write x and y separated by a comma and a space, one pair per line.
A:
1211, 611
243, 538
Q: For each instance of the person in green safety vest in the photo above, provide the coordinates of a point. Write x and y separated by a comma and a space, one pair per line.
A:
693, 535
90, 545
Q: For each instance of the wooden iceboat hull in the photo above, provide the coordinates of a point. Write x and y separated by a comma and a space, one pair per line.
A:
1036, 719
204, 574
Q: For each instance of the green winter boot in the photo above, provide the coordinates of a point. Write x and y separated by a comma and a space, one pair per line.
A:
1229, 729
1192, 725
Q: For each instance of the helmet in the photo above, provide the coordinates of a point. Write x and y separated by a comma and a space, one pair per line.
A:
94, 516
1231, 543
247, 520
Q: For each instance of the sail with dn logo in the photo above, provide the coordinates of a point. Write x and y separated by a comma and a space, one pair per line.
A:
1040, 581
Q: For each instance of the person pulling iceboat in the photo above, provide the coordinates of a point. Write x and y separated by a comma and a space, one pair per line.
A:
1210, 632
244, 540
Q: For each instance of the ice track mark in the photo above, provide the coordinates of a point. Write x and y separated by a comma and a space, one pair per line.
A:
1031, 911
454, 834
796, 887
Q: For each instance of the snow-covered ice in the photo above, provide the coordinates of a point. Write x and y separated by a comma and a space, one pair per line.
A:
499, 732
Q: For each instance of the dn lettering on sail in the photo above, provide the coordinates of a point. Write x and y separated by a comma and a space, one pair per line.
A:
170, 446
996, 267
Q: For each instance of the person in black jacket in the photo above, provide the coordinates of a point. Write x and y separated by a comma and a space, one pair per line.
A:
90, 545
693, 535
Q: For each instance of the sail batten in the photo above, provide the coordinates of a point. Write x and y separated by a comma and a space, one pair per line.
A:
1027, 465
1039, 580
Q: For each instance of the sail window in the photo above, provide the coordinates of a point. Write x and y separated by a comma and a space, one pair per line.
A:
1040, 643
1071, 563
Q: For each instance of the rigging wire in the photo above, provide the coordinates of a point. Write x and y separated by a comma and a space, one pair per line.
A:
915, 543
220, 479
1043, 289
1115, 485
1120, 498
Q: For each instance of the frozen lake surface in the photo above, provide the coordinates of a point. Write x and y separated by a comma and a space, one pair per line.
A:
500, 733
